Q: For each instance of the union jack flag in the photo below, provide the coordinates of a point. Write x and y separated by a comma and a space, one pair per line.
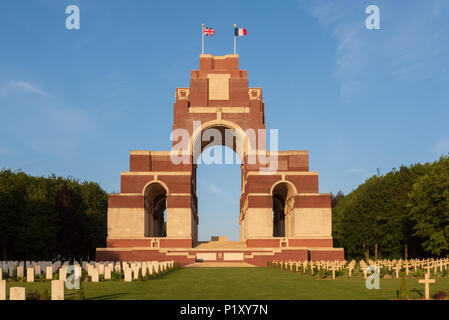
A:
208, 31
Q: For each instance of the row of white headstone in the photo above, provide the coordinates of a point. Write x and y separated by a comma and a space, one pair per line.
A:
433, 265
429, 264
19, 293
94, 270
312, 265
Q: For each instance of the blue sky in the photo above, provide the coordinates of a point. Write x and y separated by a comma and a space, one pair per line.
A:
75, 102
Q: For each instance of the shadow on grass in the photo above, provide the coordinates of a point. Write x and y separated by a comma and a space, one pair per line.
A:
419, 292
73, 296
108, 296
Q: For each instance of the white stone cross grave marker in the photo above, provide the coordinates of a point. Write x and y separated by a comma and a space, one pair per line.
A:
407, 265
351, 267
426, 282
397, 268
333, 268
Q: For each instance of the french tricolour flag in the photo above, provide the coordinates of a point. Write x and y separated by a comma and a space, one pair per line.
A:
239, 32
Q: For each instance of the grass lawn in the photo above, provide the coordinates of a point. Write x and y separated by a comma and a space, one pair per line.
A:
242, 283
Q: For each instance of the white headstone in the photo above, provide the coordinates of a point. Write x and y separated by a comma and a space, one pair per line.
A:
63, 273
95, 275
78, 271
17, 293
37, 270
49, 273
57, 290
30, 274
2, 289
128, 275
107, 273
136, 271
19, 272
101, 269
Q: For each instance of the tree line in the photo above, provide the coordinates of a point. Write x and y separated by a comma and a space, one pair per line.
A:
402, 214
49, 218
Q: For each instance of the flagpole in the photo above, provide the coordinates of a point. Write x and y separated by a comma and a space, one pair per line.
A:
235, 49
202, 38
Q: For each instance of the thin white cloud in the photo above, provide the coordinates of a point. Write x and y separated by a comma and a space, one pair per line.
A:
441, 147
19, 86
411, 45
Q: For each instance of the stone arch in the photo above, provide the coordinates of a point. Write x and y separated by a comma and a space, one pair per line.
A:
290, 184
155, 203
283, 195
220, 125
156, 181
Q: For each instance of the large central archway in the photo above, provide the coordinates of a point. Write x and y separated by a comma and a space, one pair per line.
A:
280, 204
219, 133
218, 149
218, 189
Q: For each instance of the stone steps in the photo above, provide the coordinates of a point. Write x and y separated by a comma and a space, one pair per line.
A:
221, 245
220, 265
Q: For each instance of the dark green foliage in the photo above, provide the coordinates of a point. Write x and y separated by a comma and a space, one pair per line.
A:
45, 295
84, 275
322, 274
404, 212
33, 295
139, 275
116, 275
50, 218
155, 275
147, 274
419, 273
429, 208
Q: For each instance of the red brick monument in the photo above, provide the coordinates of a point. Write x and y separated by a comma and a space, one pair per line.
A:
282, 214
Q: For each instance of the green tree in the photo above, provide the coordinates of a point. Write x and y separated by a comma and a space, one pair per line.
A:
429, 206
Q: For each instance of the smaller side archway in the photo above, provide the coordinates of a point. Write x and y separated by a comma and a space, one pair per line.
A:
283, 196
155, 207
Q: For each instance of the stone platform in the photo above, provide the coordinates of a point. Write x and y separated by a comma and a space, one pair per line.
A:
220, 265
222, 252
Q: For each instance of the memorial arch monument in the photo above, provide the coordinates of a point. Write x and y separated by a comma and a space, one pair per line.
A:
282, 213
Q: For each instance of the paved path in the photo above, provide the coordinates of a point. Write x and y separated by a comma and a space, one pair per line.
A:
220, 265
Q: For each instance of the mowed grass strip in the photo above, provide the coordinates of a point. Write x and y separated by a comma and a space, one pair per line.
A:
242, 284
